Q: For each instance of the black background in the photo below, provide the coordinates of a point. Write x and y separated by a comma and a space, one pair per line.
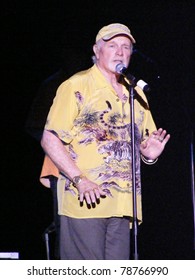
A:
34, 35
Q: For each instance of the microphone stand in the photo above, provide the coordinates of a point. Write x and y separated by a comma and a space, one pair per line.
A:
121, 69
135, 221
192, 180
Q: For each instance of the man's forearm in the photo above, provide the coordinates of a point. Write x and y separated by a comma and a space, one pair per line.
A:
58, 153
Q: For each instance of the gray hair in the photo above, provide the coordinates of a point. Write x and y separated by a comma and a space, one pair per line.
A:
94, 59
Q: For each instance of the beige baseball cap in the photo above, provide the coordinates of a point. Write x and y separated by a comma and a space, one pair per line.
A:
109, 31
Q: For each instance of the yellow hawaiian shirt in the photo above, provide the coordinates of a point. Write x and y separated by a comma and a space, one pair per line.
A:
94, 124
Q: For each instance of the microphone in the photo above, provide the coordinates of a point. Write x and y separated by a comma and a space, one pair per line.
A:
122, 69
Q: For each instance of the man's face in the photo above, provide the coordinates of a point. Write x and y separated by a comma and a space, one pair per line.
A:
112, 52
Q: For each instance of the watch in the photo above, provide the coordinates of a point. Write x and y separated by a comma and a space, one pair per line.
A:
77, 179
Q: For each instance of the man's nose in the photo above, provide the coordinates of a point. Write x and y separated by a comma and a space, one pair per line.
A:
119, 51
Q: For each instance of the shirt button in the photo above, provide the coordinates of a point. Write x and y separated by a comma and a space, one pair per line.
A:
117, 100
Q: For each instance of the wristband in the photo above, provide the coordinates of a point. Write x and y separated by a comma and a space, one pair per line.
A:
148, 161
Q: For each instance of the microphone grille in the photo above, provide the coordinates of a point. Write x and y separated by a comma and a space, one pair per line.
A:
120, 68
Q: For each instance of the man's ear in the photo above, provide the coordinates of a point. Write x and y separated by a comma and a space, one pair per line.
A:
96, 50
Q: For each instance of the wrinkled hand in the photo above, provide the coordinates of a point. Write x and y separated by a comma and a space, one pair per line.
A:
154, 145
90, 191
